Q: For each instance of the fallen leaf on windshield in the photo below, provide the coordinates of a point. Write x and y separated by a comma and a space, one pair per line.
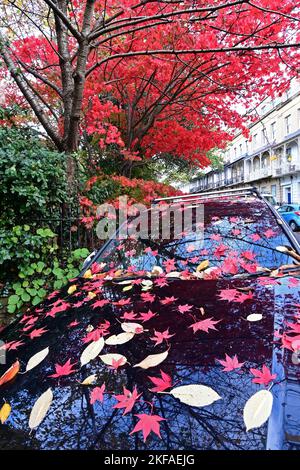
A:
97, 394
230, 363
92, 351
40, 409
65, 369
203, 265
121, 338
258, 409
108, 359
90, 380
132, 328
152, 360
254, 317
263, 377
72, 289
195, 395
161, 383
37, 359
204, 325
127, 399
5, 412
148, 423
159, 337
10, 373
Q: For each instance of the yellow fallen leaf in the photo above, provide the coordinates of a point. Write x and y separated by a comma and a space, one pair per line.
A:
88, 274
203, 265
91, 295
127, 288
72, 289
5, 412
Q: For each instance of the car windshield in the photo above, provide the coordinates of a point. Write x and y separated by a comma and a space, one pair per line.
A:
239, 237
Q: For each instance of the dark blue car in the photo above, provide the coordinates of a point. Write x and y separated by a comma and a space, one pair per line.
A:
202, 353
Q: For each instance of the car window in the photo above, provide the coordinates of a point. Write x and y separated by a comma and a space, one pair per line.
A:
282, 209
238, 238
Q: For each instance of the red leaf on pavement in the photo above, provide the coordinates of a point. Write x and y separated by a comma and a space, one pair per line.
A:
127, 399
204, 325
65, 369
264, 376
148, 423
230, 363
159, 337
161, 383
97, 394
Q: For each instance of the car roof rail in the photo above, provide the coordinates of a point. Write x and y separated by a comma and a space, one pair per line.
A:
247, 191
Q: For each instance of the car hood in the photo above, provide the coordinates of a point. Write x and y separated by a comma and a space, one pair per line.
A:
72, 422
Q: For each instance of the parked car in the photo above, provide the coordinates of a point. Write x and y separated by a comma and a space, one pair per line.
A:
172, 344
271, 199
291, 214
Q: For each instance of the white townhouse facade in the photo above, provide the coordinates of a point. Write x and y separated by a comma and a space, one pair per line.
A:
270, 158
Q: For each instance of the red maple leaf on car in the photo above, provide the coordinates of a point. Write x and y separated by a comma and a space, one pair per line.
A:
100, 303
185, 308
168, 300
255, 237
269, 233
147, 297
65, 369
97, 394
161, 383
228, 294
127, 399
204, 325
148, 423
129, 315
115, 364
36, 333
159, 337
220, 250
249, 255
264, 376
230, 363
147, 316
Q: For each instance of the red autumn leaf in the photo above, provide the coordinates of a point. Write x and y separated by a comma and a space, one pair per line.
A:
129, 315
37, 333
14, 345
159, 337
249, 255
269, 233
115, 364
264, 376
147, 316
97, 394
127, 399
65, 369
147, 297
230, 363
161, 383
100, 303
148, 423
73, 324
204, 325
185, 308
168, 300
10, 373
228, 294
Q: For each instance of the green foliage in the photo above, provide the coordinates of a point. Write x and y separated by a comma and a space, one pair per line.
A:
32, 265
33, 178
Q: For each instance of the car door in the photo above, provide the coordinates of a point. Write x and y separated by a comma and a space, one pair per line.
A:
284, 212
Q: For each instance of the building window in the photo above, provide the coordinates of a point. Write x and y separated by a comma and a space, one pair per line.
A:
255, 140
273, 130
289, 154
263, 137
288, 124
274, 190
